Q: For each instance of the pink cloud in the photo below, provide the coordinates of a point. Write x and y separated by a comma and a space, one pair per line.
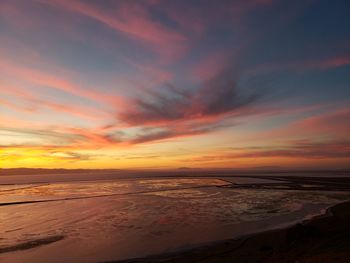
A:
303, 65
212, 65
156, 73
135, 21
54, 81
90, 138
31, 103
334, 124
332, 62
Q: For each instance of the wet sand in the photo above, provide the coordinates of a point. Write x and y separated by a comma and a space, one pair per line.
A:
318, 240
298, 183
31, 244
324, 238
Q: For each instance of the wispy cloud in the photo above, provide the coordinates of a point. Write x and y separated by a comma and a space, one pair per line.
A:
31, 103
303, 65
215, 98
333, 123
175, 112
78, 77
53, 81
302, 149
135, 20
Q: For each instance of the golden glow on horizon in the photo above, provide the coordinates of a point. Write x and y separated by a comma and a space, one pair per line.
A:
134, 84
39, 158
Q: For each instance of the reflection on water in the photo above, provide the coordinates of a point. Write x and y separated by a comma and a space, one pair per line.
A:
163, 215
89, 189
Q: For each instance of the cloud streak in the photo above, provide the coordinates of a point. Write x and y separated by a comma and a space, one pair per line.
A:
302, 149
31, 103
214, 99
135, 20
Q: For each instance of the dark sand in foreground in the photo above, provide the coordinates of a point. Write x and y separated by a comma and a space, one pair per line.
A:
323, 239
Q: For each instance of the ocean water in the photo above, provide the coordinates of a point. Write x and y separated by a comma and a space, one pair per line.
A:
96, 221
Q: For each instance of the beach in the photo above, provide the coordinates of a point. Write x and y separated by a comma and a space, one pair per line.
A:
177, 218
324, 238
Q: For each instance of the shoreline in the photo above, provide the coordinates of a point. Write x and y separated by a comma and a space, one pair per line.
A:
323, 238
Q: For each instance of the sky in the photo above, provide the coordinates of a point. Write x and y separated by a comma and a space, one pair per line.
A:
164, 84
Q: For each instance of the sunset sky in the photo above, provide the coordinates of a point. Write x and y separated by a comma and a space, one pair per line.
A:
168, 84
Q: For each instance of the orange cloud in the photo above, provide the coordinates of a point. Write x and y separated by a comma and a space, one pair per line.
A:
302, 149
